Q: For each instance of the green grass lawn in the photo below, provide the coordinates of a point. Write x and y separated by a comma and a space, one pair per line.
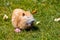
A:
47, 11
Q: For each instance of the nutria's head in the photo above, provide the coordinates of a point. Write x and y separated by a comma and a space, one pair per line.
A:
28, 17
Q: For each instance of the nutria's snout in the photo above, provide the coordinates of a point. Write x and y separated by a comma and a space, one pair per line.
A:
30, 22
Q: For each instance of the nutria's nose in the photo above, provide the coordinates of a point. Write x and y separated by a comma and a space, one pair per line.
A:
32, 21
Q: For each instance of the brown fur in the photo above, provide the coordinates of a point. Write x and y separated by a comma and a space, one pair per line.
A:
18, 20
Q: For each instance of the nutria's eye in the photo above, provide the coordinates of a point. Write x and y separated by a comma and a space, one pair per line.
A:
23, 14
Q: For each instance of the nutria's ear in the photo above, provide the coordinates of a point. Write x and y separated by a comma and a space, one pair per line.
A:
23, 14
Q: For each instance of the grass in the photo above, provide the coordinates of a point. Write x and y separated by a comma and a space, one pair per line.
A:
47, 10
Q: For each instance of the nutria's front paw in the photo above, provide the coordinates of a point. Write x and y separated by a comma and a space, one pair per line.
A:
17, 30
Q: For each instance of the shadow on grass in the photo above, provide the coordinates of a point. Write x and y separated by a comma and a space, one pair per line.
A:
33, 28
